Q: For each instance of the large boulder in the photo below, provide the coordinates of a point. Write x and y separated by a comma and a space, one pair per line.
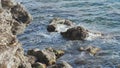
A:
44, 56
75, 33
80, 33
59, 25
47, 56
11, 24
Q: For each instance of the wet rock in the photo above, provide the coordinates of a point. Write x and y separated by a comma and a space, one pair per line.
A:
75, 33
90, 49
47, 56
59, 25
61, 64
104, 53
38, 65
57, 52
44, 56
80, 61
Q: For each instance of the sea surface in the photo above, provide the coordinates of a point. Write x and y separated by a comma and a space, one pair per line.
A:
95, 15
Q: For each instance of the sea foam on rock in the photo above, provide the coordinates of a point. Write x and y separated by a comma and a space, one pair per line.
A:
71, 31
13, 20
59, 25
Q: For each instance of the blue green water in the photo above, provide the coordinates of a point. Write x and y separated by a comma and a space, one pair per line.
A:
95, 15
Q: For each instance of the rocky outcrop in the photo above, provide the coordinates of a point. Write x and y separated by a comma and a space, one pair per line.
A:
75, 33
70, 31
59, 25
13, 20
46, 56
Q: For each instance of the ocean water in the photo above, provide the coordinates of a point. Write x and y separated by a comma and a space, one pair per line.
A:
95, 15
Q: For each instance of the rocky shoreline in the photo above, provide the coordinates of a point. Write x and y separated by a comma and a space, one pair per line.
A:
14, 18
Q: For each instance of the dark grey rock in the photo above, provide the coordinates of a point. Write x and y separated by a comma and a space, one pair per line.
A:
75, 33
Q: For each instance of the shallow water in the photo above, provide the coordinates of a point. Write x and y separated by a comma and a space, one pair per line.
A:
95, 15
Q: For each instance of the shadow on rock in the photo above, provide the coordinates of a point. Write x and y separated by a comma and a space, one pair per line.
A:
47, 56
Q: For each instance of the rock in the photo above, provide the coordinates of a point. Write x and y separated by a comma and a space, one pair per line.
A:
75, 33
118, 66
11, 51
57, 52
80, 61
33, 52
7, 3
61, 64
1, 9
20, 14
31, 59
38, 65
47, 56
91, 49
59, 25
21, 19
7, 39
44, 56
80, 33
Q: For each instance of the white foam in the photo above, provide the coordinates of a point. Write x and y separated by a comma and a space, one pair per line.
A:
61, 28
93, 36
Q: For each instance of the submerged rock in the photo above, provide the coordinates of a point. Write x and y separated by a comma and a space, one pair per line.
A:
59, 25
90, 49
61, 64
80, 61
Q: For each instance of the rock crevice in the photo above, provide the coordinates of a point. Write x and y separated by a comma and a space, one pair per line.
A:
13, 20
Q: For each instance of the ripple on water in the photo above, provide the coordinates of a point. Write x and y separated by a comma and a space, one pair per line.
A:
95, 15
